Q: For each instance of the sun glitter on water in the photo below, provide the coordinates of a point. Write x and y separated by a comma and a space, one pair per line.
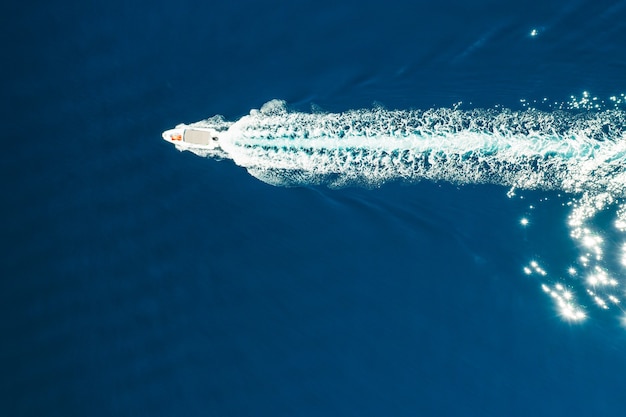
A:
597, 281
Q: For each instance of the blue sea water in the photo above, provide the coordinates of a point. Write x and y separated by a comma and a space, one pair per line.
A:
139, 280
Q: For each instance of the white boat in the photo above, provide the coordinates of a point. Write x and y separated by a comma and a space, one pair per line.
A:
192, 137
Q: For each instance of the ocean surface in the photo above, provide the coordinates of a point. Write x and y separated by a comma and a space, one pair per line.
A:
418, 209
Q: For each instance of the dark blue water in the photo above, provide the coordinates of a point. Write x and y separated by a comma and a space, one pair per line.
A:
138, 280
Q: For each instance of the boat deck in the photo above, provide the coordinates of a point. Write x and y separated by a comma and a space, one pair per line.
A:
199, 137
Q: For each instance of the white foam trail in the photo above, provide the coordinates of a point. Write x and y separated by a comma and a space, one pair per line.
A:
528, 149
580, 153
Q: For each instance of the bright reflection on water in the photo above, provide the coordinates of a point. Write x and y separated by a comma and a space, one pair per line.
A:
563, 297
594, 280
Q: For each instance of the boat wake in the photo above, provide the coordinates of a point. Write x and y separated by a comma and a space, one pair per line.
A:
529, 149
580, 153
